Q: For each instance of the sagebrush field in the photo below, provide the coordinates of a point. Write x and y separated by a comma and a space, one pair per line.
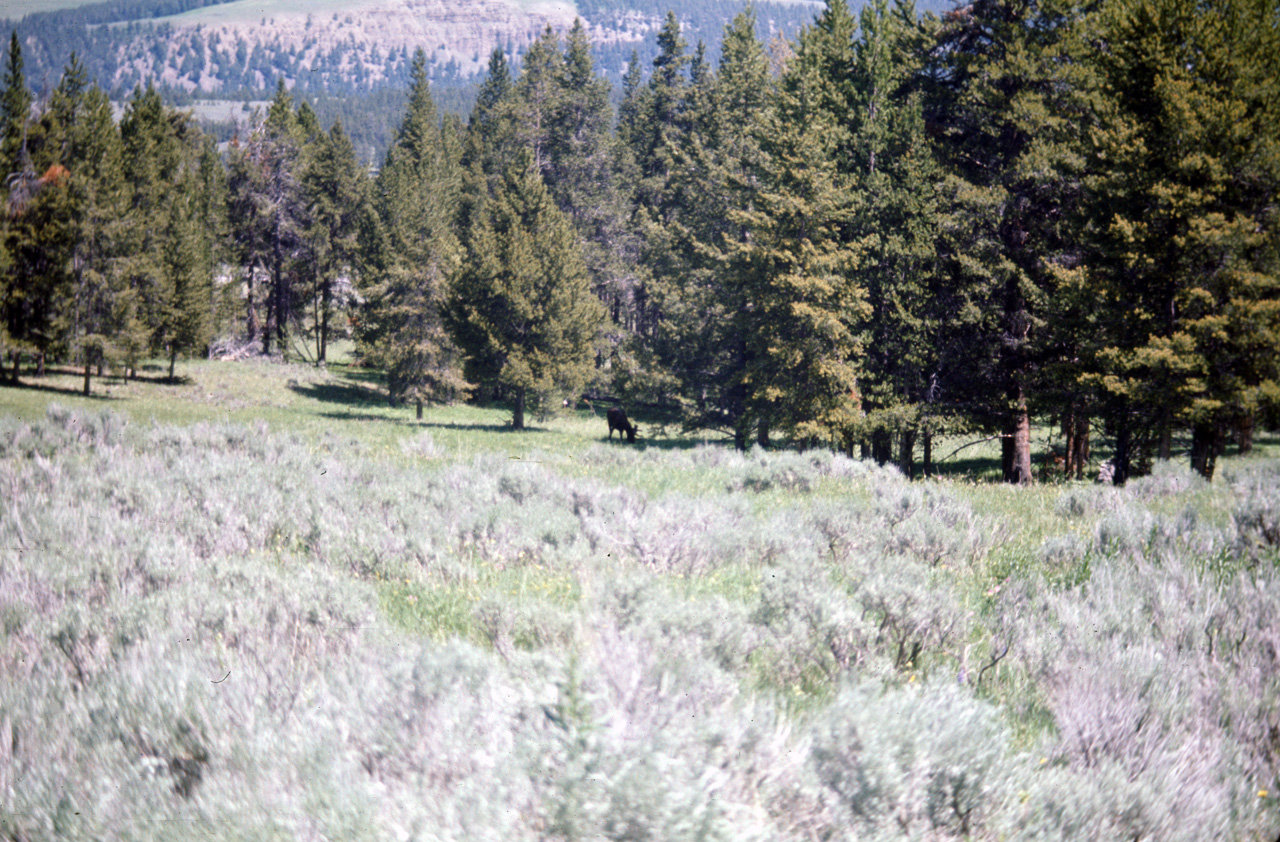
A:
263, 605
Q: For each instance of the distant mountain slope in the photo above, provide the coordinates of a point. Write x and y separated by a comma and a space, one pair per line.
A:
238, 49
351, 58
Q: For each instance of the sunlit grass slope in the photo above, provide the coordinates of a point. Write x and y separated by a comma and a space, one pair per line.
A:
261, 603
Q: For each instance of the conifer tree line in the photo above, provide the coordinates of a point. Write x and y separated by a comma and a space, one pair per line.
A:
891, 228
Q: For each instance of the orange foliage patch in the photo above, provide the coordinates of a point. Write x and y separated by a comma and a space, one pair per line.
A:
55, 175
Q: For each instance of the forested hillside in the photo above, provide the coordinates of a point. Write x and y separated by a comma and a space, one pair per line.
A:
355, 57
235, 49
887, 228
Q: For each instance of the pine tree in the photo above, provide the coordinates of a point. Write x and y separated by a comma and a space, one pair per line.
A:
95, 160
697, 287
213, 210
586, 172
803, 304
336, 196
411, 254
281, 157
895, 174
185, 324
19, 308
1010, 100
15, 106
522, 307
1187, 169
655, 115
248, 230
162, 302
536, 101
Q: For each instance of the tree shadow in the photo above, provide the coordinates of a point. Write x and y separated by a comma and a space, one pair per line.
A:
71, 391
161, 379
977, 468
362, 416
340, 393
359, 375
492, 428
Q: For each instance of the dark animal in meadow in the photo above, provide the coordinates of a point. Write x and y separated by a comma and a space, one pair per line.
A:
618, 421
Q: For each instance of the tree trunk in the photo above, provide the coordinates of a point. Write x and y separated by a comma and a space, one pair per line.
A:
906, 453
17, 361
279, 299
40, 364
1075, 427
517, 413
1165, 449
741, 434
1069, 437
87, 367
1079, 454
266, 325
325, 306
419, 409
1020, 467
1122, 457
173, 359
882, 447
1244, 433
1204, 449
928, 453
315, 314
762, 432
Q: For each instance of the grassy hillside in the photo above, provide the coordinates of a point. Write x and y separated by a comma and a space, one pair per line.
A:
264, 604
17, 9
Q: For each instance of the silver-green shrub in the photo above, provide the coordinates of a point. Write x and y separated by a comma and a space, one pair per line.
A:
256, 635
927, 762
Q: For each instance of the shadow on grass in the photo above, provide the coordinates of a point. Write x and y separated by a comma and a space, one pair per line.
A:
359, 375
338, 415
490, 428
75, 392
341, 393
974, 467
670, 444
161, 379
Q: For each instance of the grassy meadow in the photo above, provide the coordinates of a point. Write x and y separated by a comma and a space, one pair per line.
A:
262, 604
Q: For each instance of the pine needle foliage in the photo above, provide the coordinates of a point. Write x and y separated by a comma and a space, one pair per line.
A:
522, 307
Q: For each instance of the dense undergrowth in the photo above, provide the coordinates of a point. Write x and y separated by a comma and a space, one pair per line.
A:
251, 635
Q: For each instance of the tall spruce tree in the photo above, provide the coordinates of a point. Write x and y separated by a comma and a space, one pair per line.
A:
522, 306
223, 297
803, 301
336, 194
282, 204
1010, 100
412, 252
896, 210
15, 108
587, 177
697, 287
95, 161
248, 228
19, 306
1187, 170
185, 326
152, 160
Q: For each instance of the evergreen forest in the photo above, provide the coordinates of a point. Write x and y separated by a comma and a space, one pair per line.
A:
892, 227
